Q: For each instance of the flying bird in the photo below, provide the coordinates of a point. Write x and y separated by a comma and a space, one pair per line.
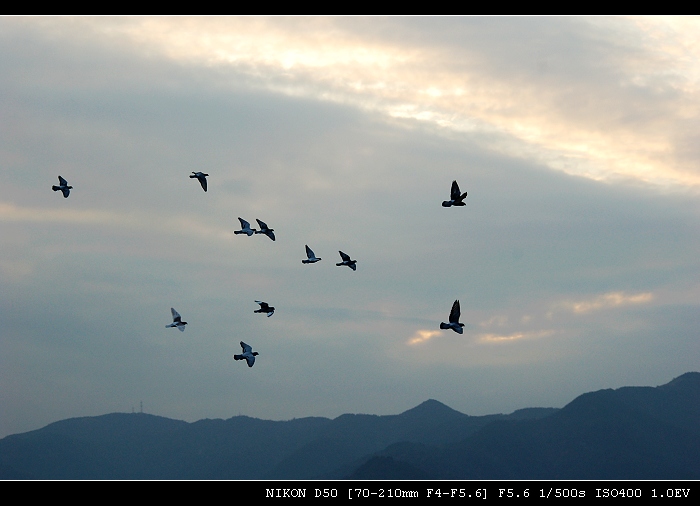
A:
456, 198
248, 354
265, 308
264, 230
202, 179
177, 321
312, 258
346, 261
454, 319
63, 186
245, 228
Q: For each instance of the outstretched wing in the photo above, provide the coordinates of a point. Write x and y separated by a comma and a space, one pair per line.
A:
246, 348
261, 223
203, 181
62, 181
176, 315
454, 314
244, 224
66, 192
309, 252
346, 258
263, 305
455, 193
250, 359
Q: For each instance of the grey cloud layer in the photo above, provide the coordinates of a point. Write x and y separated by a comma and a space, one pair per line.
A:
88, 281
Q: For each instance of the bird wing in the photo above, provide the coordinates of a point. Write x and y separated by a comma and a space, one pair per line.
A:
270, 234
454, 314
176, 315
66, 192
250, 358
246, 347
353, 266
203, 181
346, 258
263, 305
309, 253
181, 327
455, 193
261, 223
244, 224
62, 181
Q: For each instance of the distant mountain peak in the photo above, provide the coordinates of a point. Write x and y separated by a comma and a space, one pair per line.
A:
431, 407
689, 378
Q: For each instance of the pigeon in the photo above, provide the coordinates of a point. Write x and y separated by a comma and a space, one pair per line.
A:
312, 258
202, 179
248, 354
177, 321
245, 228
264, 230
456, 198
265, 308
454, 319
63, 186
346, 261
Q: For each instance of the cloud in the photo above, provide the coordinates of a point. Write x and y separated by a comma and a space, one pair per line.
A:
497, 338
422, 336
604, 98
608, 300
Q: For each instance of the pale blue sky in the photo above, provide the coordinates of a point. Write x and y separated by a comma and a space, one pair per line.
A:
575, 259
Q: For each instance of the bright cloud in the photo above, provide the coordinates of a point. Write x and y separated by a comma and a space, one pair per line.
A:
497, 338
608, 300
422, 336
603, 130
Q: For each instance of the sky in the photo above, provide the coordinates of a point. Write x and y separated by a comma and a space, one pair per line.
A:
575, 259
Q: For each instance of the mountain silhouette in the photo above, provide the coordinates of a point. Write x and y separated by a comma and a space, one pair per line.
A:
627, 433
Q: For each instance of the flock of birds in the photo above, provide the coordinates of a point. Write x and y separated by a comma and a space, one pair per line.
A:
247, 354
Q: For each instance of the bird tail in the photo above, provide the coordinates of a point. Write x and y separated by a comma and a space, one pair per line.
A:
55, 188
238, 357
446, 203
444, 325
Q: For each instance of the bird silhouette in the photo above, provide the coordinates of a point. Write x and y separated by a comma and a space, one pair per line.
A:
265, 308
454, 319
202, 179
248, 354
245, 228
312, 258
63, 186
456, 198
177, 321
346, 261
265, 230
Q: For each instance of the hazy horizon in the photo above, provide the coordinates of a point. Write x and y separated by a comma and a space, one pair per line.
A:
575, 259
